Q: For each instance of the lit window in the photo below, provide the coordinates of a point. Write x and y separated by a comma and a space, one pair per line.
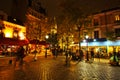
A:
21, 35
7, 35
117, 17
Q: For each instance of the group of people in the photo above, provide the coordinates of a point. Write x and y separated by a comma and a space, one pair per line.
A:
114, 59
80, 55
75, 56
56, 52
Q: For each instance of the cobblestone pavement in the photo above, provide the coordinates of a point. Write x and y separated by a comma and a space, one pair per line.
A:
55, 69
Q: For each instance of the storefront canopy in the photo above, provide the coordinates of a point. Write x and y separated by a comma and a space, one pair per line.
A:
12, 41
104, 43
35, 41
43, 43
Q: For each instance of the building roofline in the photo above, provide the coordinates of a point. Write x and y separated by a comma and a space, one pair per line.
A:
107, 10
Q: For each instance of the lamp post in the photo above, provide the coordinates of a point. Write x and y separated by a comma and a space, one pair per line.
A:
79, 40
46, 37
66, 53
87, 55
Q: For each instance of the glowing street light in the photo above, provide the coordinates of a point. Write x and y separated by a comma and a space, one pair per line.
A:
87, 55
46, 37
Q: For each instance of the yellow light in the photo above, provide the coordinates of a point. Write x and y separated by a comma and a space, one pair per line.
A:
86, 36
46, 36
9, 29
7, 34
21, 35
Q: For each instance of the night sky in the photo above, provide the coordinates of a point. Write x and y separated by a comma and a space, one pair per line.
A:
89, 5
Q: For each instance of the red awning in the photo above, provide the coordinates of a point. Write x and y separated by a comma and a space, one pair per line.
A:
35, 41
43, 43
12, 41
23, 42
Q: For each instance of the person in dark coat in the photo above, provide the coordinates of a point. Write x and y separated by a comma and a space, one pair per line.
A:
118, 55
92, 54
20, 54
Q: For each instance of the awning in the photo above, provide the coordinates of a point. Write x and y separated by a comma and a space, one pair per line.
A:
43, 43
104, 43
35, 41
12, 41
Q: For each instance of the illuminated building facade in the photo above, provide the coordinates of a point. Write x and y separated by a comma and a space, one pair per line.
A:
35, 21
11, 30
104, 35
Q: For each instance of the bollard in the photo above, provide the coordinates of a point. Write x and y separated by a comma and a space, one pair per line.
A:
10, 61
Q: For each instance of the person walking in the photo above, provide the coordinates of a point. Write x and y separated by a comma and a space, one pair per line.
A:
35, 55
114, 59
118, 55
20, 54
92, 55
81, 55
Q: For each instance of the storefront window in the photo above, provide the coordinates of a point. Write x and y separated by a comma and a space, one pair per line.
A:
6, 50
15, 34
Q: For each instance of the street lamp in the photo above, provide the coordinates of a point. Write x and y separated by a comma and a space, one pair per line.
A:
46, 37
87, 55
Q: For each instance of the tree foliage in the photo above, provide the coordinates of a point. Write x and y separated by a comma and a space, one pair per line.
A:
70, 11
71, 17
52, 39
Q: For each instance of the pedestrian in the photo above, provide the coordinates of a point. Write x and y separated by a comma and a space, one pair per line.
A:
114, 59
81, 55
53, 52
35, 55
92, 54
77, 55
118, 55
56, 52
20, 54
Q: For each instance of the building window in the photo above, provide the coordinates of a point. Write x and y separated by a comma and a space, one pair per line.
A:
15, 33
95, 22
117, 19
96, 34
117, 32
